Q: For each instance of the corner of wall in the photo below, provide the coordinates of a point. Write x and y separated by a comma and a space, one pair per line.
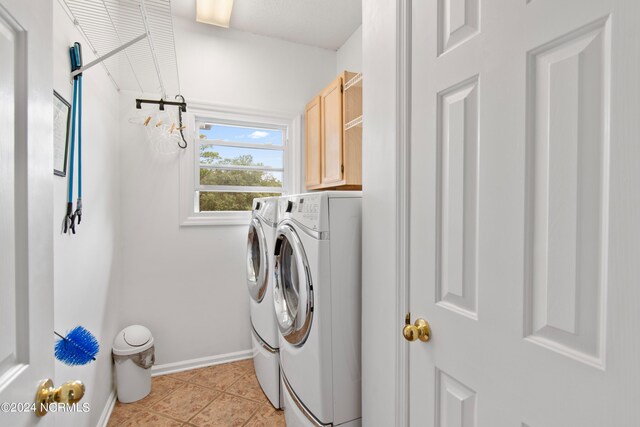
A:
349, 55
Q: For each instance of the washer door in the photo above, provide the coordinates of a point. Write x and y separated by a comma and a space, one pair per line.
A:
257, 261
293, 290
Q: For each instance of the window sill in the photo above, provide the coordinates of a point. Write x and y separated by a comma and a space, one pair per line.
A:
217, 218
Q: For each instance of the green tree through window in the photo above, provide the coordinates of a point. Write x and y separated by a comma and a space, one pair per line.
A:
232, 201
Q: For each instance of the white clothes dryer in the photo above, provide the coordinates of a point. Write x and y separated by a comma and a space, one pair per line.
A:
317, 297
264, 331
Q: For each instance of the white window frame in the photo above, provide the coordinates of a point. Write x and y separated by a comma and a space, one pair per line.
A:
290, 124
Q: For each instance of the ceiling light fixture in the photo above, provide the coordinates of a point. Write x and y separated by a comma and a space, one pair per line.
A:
214, 12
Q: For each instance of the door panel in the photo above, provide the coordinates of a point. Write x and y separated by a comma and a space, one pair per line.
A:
331, 107
567, 189
458, 21
455, 402
523, 247
26, 238
457, 215
313, 142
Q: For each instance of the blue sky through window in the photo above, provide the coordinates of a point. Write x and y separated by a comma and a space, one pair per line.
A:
243, 134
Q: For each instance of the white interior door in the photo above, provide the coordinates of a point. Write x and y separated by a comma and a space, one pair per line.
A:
525, 199
26, 257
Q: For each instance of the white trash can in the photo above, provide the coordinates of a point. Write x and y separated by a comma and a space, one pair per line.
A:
134, 355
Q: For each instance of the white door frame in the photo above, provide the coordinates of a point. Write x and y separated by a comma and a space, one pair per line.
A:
403, 191
385, 355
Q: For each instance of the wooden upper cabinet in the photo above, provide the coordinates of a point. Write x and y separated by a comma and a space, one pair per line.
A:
313, 137
333, 131
331, 123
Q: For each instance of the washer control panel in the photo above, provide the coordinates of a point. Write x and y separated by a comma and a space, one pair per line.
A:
306, 209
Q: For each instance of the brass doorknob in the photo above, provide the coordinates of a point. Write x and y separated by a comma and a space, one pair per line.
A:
420, 330
68, 393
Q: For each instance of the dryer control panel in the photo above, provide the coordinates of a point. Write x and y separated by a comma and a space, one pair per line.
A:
267, 209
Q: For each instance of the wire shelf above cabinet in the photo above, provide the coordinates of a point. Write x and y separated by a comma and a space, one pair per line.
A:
133, 40
355, 81
357, 122
352, 101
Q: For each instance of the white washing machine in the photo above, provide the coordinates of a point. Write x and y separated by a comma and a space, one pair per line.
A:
317, 297
264, 334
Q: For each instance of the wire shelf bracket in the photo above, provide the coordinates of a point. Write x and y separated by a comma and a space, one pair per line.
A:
102, 58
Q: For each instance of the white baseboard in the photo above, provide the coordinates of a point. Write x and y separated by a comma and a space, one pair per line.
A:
185, 365
108, 408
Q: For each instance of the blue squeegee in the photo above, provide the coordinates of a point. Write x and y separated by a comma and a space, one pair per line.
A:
75, 53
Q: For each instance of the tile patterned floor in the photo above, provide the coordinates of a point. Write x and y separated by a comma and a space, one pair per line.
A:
225, 395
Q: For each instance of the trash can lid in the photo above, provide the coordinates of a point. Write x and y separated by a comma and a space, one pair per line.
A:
132, 340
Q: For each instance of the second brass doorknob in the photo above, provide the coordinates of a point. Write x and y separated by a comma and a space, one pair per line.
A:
420, 330
68, 393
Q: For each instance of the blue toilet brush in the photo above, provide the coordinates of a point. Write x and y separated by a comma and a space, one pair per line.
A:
78, 347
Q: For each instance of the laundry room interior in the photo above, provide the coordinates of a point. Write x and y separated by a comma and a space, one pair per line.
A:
319, 213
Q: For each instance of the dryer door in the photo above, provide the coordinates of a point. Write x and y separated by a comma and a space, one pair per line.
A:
257, 261
293, 290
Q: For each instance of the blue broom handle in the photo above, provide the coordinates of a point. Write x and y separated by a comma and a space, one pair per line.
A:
80, 136
73, 135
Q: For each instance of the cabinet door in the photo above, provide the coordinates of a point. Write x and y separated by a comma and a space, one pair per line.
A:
313, 142
331, 107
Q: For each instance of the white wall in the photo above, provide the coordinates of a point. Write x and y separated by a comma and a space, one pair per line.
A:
349, 56
86, 265
379, 207
187, 284
224, 66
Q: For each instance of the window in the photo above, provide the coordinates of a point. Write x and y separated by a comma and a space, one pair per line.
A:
235, 158
236, 164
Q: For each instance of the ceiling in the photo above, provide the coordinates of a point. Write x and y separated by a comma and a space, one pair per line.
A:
322, 23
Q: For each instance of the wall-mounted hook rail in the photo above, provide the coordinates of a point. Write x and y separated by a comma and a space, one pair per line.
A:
161, 103
182, 108
108, 55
